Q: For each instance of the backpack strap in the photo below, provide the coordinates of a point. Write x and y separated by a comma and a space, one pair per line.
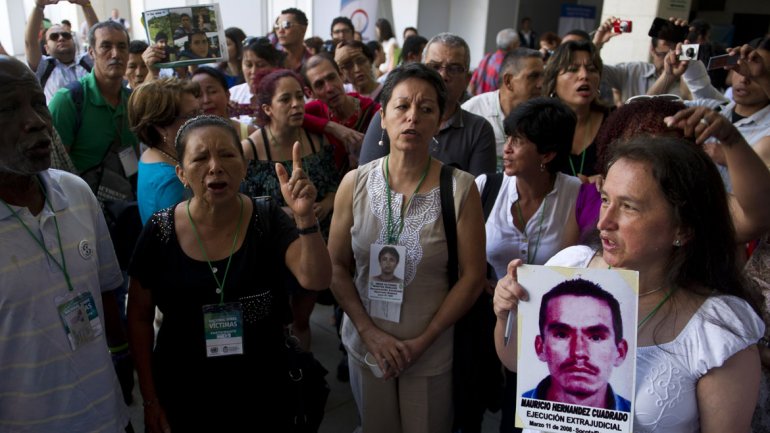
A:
49, 67
490, 191
76, 94
450, 222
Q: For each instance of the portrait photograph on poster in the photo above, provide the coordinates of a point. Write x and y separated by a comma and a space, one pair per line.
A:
191, 35
576, 345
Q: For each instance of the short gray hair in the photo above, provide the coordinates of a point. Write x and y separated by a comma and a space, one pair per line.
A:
506, 38
450, 40
513, 61
112, 25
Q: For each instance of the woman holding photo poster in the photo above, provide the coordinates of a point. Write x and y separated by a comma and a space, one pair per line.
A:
665, 214
393, 203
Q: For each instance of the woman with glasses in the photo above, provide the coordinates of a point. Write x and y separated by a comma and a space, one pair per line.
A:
572, 75
282, 110
156, 111
355, 61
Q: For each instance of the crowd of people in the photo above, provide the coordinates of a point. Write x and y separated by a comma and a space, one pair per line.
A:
179, 225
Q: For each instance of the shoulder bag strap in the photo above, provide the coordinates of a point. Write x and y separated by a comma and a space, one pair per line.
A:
450, 223
490, 191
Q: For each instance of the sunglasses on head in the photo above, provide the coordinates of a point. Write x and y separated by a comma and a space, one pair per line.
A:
665, 97
55, 36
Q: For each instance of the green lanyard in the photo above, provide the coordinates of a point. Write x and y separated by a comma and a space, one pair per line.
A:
582, 162
655, 310
220, 284
393, 232
63, 264
539, 231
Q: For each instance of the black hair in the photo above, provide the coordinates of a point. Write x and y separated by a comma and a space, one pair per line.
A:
412, 45
580, 33
418, 71
161, 35
213, 73
298, 15
262, 48
314, 62
583, 288
561, 59
388, 250
548, 123
343, 20
180, 143
386, 30
66, 23
365, 50
236, 35
137, 46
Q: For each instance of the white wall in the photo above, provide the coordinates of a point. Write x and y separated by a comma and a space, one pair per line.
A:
468, 19
501, 14
635, 46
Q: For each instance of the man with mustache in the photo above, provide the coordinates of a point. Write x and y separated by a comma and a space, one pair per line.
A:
60, 65
91, 118
581, 340
90, 115
58, 267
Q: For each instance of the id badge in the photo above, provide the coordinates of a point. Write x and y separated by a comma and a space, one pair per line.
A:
386, 281
128, 161
223, 329
80, 318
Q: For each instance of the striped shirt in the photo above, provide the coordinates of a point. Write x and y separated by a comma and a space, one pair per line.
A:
46, 386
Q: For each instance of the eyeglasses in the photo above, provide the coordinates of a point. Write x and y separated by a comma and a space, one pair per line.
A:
665, 97
64, 35
357, 60
284, 25
342, 31
451, 70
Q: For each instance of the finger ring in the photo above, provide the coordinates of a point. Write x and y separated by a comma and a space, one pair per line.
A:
704, 121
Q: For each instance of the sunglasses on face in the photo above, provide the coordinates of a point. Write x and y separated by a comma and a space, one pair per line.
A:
55, 36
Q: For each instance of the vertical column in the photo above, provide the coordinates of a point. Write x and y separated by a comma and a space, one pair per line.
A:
12, 21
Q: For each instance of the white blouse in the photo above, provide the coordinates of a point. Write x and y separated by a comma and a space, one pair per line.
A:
667, 374
543, 232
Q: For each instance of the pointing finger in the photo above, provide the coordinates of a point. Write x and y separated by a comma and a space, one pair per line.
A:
296, 156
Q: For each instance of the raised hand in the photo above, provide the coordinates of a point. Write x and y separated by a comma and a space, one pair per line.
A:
298, 191
702, 123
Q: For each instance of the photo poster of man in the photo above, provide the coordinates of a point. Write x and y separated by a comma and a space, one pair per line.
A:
576, 349
191, 35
